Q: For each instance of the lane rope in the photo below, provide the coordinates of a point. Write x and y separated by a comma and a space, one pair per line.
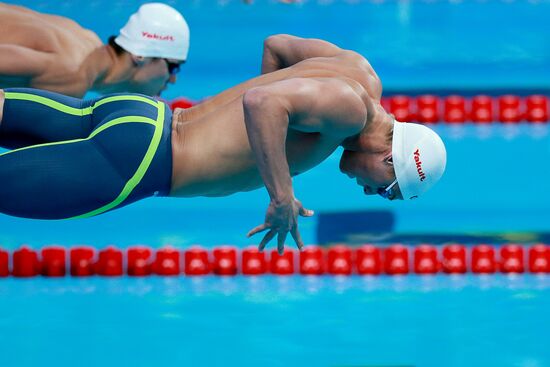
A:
367, 259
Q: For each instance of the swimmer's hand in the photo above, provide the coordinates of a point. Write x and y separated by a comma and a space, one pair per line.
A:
281, 218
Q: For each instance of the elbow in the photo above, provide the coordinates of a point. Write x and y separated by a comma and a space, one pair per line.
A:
256, 98
276, 41
263, 107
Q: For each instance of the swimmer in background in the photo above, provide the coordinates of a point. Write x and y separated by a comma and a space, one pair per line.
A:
54, 53
312, 97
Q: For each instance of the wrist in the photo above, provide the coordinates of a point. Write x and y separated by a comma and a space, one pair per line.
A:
282, 200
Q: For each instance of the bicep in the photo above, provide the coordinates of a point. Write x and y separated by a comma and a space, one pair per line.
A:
22, 61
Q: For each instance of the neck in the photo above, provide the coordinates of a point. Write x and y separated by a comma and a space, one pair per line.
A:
375, 136
109, 72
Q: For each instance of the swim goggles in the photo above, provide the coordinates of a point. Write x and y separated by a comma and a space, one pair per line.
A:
173, 67
387, 191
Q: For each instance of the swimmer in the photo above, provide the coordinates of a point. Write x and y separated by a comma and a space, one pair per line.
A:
54, 53
75, 158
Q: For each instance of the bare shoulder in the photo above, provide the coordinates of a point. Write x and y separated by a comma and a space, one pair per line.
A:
14, 9
362, 95
359, 68
342, 106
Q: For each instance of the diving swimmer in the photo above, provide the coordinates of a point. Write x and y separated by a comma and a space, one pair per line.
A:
75, 158
54, 53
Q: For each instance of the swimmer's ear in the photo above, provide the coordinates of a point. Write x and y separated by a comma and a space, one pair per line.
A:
389, 160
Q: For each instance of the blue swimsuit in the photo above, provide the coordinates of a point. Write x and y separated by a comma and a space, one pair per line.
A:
75, 158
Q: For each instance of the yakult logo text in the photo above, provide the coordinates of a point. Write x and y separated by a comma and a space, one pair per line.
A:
419, 165
159, 37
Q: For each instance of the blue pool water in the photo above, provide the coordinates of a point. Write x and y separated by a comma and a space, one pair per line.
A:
495, 183
296, 321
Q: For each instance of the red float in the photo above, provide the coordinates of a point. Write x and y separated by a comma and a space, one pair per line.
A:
253, 261
455, 109
138, 261
428, 109
4, 263
483, 259
167, 262
454, 259
455, 101
537, 115
509, 101
109, 262
539, 258
25, 262
401, 108
368, 260
225, 260
339, 260
425, 259
537, 108
82, 259
196, 261
482, 109
53, 261
281, 264
509, 109
537, 101
396, 260
312, 261
511, 259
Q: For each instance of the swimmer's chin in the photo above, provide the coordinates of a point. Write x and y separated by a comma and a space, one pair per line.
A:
158, 94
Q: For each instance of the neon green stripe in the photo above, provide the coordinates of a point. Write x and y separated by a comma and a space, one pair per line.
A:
124, 98
117, 121
122, 120
50, 103
71, 110
141, 170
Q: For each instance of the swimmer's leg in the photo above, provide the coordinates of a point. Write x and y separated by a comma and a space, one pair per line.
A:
124, 160
31, 116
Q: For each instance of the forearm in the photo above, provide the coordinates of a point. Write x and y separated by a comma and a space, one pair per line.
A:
267, 124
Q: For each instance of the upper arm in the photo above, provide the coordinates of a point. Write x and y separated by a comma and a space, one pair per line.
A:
329, 106
21, 61
284, 50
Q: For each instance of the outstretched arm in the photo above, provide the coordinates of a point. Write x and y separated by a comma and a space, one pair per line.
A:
18, 65
325, 106
283, 50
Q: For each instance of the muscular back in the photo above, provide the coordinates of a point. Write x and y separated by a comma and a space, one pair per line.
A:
212, 155
348, 65
42, 51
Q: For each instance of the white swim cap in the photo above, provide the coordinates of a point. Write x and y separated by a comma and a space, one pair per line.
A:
419, 158
156, 30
